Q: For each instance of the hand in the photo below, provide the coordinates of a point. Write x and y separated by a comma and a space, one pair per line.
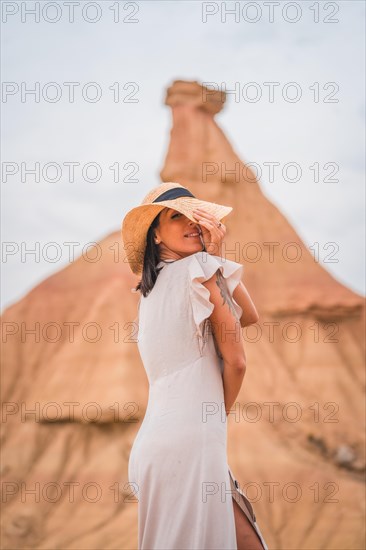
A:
212, 235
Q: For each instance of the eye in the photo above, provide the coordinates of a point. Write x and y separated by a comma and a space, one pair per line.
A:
177, 214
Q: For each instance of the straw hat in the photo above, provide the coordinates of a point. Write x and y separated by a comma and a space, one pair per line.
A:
137, 221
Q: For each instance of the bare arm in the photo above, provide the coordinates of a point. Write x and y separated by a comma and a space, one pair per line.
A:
227, 333
242, 298
232, 379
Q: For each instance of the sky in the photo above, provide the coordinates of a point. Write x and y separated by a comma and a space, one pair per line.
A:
89, 144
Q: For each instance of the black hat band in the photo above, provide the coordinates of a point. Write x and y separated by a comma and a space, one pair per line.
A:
174, 194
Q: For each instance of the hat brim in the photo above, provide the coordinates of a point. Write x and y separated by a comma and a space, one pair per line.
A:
137, 221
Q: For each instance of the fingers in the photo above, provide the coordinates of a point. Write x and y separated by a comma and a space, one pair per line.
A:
212, 234
211, 226
208, 220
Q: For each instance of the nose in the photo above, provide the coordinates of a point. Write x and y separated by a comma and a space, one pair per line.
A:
194, 225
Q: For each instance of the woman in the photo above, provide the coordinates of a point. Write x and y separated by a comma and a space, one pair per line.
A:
191, 307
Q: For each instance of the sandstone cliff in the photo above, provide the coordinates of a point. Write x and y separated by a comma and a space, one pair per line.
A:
296, 440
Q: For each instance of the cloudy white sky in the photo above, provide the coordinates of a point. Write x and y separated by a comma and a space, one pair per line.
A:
317, 45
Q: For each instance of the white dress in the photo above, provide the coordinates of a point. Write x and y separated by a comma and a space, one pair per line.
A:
178, 461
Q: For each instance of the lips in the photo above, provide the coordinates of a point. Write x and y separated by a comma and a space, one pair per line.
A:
193, 234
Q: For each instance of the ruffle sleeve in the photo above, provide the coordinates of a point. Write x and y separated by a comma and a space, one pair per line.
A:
202, 267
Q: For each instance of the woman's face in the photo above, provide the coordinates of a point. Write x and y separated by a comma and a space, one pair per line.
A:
177, 235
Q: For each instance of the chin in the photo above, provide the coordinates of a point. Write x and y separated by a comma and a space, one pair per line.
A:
193, 246
198, 247
186, 250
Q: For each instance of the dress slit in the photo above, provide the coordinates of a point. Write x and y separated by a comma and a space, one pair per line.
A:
246, 507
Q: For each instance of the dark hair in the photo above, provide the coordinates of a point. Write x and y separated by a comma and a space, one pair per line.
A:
150, 270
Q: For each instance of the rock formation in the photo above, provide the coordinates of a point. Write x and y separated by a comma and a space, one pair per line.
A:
296, 435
